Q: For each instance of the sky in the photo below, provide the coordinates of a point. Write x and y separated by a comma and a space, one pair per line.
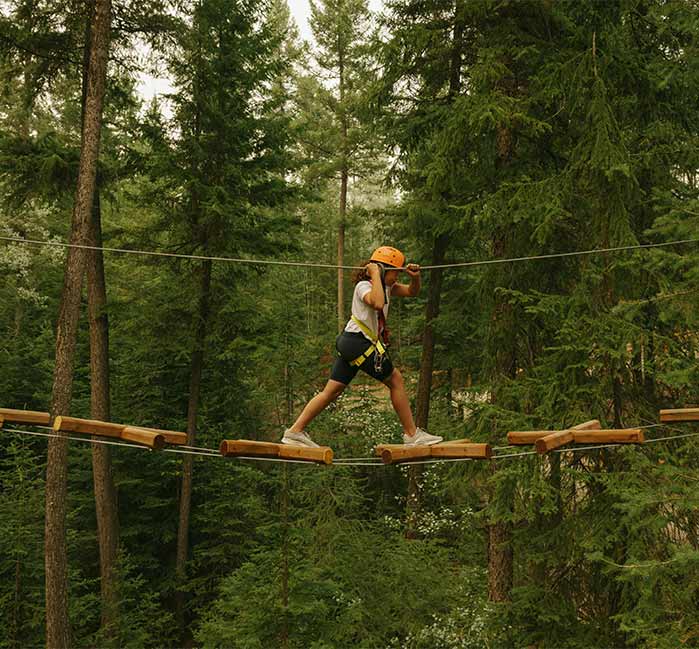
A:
300, 11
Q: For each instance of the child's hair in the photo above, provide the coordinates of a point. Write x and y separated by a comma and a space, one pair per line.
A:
361, 274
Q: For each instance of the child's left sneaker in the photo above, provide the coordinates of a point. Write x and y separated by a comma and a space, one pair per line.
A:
421, 438
298, 439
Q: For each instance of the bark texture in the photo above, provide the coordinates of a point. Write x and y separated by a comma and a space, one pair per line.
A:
57, 621
100, 407
197, 366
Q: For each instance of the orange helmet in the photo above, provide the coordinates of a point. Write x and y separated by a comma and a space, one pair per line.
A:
389, 256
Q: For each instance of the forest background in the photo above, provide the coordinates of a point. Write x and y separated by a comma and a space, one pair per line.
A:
452, 129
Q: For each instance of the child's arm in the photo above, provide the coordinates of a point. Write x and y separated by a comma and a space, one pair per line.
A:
412, 289
375, 297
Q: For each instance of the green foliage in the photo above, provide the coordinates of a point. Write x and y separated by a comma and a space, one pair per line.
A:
514, 128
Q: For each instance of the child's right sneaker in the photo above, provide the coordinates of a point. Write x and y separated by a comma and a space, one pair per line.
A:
421, 438
298, 439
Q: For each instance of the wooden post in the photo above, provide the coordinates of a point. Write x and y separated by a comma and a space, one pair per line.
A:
25, 416
88, 426
679, 414
150, 438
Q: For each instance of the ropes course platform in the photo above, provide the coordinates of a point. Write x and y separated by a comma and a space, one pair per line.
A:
588, 432
249, 448
679, 414
455, 449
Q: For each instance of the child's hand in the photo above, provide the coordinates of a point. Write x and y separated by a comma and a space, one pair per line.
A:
373, 270
413, 270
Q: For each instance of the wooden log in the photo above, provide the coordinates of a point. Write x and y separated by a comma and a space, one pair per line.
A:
679, 414
2, 421
563, 437
523, 437
554, 440
88, 426
25, 416
465, 450
593, 424
322, 454
249, 448
238, 447
170, 436
143, 436
614, 435
454, 441
395, 453
520, 438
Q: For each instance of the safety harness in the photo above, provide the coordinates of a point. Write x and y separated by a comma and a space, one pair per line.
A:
377, 345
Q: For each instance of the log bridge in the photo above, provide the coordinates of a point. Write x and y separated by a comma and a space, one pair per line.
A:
250, 448
455, 449
150, 437
588, 432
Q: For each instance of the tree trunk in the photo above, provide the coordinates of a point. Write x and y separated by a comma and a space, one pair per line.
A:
57, 620
105, 491
344, 177
284, 634
424, 386
500, 559
187, 465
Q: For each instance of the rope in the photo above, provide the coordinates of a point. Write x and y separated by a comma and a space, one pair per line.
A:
357, 461
271, 262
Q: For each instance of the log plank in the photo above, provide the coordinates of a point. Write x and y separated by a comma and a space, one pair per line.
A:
679, 414
614, 435
249, 448
395, 453
462, 450
521, 438
25, 416
87, 426
150, 438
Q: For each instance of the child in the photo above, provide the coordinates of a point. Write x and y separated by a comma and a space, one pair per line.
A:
361, 346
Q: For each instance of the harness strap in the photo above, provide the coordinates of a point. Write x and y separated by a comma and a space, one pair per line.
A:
376, 345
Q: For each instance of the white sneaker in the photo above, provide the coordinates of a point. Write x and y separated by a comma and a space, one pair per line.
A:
421, 438
298, 439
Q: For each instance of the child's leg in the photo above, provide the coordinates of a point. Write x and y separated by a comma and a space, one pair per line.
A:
401, 404
331, 391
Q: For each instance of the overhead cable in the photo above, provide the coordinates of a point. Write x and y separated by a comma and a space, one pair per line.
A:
278, 262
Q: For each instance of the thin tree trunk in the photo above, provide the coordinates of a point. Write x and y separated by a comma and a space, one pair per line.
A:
344, 177
105, 491
284, 635
500, 559
187, 467
424, 386
57, 620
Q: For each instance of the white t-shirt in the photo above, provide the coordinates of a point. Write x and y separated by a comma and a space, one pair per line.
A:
363, 311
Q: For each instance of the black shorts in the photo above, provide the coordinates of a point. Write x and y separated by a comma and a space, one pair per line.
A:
351, 345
